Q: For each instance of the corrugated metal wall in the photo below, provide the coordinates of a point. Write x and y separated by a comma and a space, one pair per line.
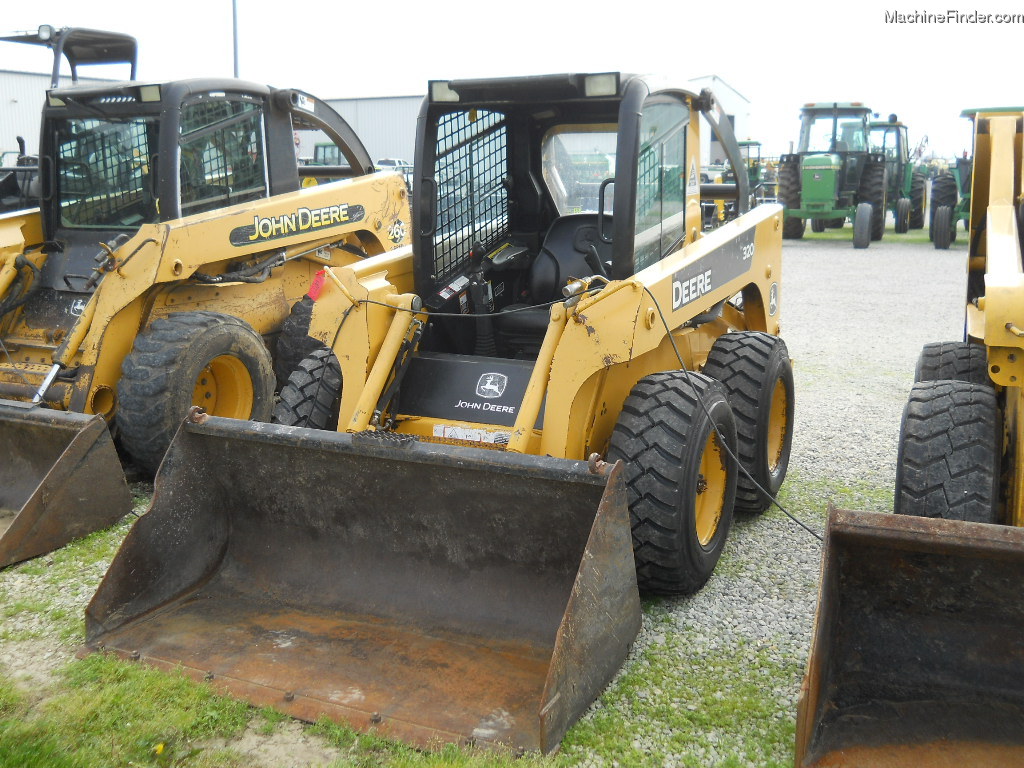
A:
21, 101
387, 125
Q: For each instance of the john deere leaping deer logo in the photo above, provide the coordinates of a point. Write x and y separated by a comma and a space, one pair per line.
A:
491, 385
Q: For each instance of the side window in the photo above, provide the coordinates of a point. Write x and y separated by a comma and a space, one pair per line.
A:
222, 153
661, 182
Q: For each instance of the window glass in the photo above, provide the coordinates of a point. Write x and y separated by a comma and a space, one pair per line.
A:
575, 160
850, 133
661, 182
105, 172
222, 153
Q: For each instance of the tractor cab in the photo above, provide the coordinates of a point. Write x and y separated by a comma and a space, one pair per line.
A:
905, 181
889, 138
833, 145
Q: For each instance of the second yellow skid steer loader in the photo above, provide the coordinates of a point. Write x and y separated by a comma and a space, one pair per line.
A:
433, 546
175, 233
918, 654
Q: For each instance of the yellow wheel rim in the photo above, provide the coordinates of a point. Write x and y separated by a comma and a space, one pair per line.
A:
778, 426
710, 490
224, 388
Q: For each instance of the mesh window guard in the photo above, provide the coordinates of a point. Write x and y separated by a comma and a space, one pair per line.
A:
104, 172
472, 201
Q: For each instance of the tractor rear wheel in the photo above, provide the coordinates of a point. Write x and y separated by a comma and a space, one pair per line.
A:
942, 224
757, 375
902, 215
947, 464
817, 225
313, 393
294, 344
677, 436
793, 228
862, 226
918, 186
190, 358
954, 361
789, 195
943, 194
872, 190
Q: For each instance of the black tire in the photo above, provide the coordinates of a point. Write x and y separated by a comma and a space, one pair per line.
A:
793, 228
294, 344
313, 393
789, 195
918, 185
943, 194
836, 223
757, 375
670, 434
862, 226
953, 361
872, 190
902, 215
942, 223
190, 358
947, 465
817, 225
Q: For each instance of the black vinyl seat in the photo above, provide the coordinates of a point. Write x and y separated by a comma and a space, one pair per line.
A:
568, 252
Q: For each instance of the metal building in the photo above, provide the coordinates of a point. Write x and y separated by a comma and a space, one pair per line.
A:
21, 102
387, 125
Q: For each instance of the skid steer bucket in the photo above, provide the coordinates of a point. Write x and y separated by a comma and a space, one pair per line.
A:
60, 479
484, 596
918, 651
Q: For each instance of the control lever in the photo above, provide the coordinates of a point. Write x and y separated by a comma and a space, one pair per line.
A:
484, 344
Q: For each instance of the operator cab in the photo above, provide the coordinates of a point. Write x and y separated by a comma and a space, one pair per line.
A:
525, 185
122, 155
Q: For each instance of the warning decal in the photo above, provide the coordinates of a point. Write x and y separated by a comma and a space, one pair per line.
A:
692, 181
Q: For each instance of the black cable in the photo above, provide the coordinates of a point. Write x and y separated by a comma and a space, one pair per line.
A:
721, 439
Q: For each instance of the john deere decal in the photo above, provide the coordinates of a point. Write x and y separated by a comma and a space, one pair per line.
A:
302, 220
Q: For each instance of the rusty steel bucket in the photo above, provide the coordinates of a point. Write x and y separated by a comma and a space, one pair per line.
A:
426, 593
918, 649
60, 479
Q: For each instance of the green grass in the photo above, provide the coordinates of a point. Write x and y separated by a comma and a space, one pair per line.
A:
917, 236
109, 712
717, 708
79, 566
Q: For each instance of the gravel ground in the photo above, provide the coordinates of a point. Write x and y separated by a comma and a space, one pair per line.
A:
854, 322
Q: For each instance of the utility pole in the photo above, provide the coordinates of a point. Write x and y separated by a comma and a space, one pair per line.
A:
234, 28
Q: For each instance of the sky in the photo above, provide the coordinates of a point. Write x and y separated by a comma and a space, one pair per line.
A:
778, 55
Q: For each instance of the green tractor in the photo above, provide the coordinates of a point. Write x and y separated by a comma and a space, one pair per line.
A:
834, 175
907, 180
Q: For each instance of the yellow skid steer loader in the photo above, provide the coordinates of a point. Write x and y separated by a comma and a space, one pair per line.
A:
429, 542
176, 235
918, 650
